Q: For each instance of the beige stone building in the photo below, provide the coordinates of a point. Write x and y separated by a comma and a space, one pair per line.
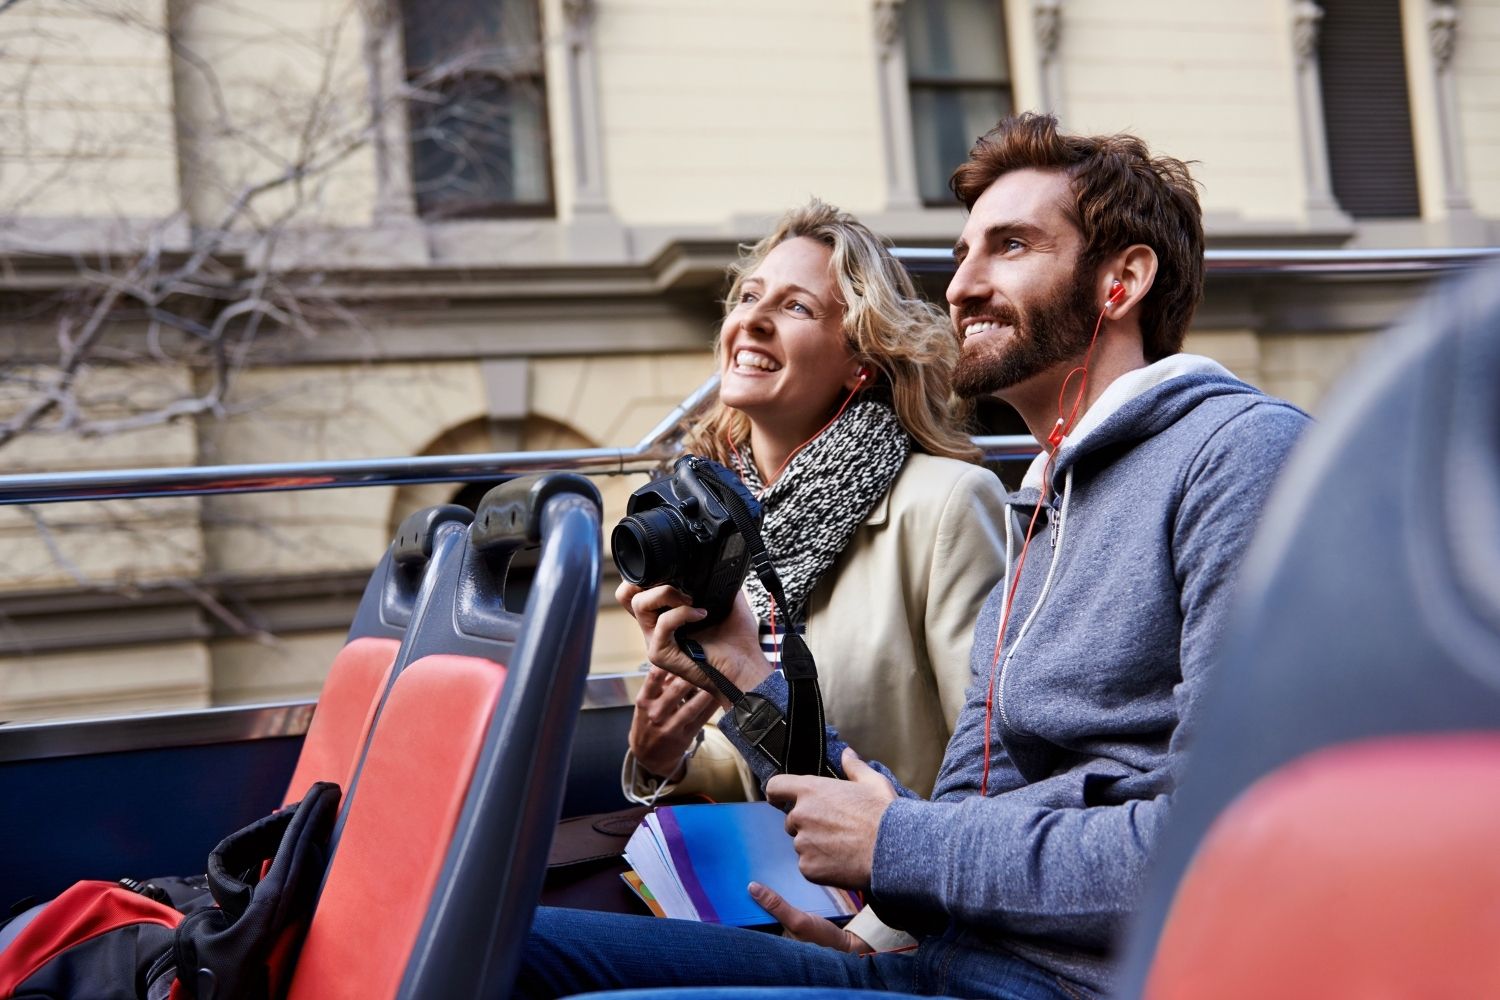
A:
333, 229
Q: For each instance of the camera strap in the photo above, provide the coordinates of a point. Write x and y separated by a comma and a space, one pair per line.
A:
799, 744
760, 722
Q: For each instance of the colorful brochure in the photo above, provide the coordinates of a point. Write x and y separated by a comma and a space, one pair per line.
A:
696, 861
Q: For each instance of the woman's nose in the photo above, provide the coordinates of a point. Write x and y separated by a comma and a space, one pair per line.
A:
758, 317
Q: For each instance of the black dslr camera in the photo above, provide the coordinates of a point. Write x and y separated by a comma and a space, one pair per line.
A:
682, 530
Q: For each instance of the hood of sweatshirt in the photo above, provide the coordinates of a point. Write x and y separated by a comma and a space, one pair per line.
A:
1137, 405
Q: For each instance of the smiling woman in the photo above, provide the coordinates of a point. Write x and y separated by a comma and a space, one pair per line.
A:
783, 357
834, 407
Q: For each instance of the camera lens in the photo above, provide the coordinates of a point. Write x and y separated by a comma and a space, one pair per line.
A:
650, 546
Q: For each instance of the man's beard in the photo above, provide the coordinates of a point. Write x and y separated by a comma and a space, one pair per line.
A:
1043, 335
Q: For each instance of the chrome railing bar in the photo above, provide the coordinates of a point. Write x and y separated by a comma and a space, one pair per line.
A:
1007, 447
657, 447
281, 477
928, 260
654, 450
672, 424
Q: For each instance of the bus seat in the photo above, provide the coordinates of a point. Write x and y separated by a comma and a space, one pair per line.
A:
1363, 660
442, 846
1366, 869
364, 667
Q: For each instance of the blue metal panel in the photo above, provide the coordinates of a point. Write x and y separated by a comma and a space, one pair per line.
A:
137, 813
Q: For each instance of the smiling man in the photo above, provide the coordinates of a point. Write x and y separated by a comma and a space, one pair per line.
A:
1079, 268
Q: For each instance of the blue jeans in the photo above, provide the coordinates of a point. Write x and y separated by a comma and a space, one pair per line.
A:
579, 951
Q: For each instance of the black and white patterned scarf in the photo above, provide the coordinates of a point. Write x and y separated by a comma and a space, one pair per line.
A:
825, 493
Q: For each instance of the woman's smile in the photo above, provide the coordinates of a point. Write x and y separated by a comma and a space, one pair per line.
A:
753, 362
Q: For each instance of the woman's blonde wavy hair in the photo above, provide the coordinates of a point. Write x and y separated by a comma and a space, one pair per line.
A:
905, 341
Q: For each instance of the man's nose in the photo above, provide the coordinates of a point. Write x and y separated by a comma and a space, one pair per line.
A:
969, 282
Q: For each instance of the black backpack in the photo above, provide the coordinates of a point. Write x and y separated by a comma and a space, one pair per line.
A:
105, 941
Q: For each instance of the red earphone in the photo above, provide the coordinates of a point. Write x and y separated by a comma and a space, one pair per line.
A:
1065, 420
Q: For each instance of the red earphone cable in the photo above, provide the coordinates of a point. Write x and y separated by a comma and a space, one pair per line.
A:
1059, 431
798, 450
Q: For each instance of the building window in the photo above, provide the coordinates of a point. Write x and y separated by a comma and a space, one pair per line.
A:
1366, 111
478, 108
959, 73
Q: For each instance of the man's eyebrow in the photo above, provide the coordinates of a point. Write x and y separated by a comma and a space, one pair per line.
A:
1009, 227
1014, 227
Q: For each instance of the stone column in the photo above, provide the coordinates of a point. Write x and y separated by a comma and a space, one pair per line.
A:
1322, 207
583, 109
895, 108
1442, 35
1047, 17
385, 69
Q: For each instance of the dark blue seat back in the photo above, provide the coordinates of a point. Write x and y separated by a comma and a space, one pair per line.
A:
385, 608
1370, 606
462, 631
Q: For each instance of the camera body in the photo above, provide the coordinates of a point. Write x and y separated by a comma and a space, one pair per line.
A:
680, 531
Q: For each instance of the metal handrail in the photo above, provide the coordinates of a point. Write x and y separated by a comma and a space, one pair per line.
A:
660, 445
1371, 263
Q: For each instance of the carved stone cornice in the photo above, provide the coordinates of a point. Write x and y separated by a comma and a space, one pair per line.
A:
887, 25
1047, 15
1307, 18
1442, 32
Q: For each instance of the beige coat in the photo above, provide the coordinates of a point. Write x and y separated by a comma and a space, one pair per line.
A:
890, 626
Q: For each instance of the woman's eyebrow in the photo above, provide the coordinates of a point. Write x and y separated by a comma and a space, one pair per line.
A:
805, 293
791, 288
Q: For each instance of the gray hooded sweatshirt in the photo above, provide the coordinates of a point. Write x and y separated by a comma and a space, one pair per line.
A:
1119, 608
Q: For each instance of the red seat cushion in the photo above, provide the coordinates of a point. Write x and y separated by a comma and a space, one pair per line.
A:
399, 824
1366, 870
346, 709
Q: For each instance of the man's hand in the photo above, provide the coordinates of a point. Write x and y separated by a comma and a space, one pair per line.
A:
834, 823
669, 713
732, 646
803, 926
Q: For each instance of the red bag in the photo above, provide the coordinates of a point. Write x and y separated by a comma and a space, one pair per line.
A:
97, 940
103, 941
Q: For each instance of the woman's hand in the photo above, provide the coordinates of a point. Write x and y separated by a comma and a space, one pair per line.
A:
669, 713
660, 612
800, 925
732, 646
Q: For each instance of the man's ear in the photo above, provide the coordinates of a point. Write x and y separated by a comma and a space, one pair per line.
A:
1134, 268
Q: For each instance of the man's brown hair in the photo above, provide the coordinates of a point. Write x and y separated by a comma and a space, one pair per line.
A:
1122, 195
